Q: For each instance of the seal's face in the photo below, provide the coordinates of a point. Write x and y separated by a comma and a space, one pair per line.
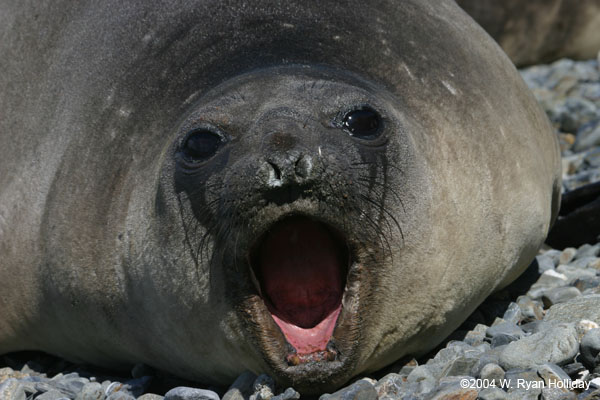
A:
293, 176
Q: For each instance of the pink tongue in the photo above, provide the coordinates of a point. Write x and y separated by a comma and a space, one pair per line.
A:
300, 267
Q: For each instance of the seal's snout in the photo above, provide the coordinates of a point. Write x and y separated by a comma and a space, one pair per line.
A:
301, 268
287, 169
287, 177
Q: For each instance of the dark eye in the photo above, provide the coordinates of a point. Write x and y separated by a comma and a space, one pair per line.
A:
363, 123
201, 145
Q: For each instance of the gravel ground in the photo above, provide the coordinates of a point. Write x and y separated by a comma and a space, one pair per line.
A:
537, 339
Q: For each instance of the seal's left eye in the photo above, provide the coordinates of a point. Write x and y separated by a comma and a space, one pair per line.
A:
363, 123
200, 145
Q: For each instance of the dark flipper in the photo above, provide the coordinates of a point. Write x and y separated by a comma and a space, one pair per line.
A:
578, 219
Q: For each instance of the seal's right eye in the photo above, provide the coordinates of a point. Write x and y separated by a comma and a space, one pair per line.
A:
363, 123
200, 145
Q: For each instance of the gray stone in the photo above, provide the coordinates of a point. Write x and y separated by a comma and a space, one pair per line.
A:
559, 295
70, 385
588, 136
574, 310
493, 373
557, 394
545, 263
506, 328
91, 391
43, 387
450, 388
583, 262
424, 377
574, 113
390, 385
120, 396
264, 388
474, 338
113, 387
138, 386
551, 374
51, 395
12, 389
242, 387
584, 326
590, 348
446, 355
567, 255
504, 333
587, 283
592, 158
490, 357
407, 369
573, 163
459, 366
513, 314
150, 396
531, 310
524, 394
573, 369
28, 385
547, 280
534, 327
580, 179
554, 255
234, 394
359, 390
288, 394
589, 395
590, 90
556, 345
492, 393
188, 393
573, 273
106, 385
515, 378
502, 340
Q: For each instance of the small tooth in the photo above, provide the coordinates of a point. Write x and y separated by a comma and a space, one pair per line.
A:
330, 356
293, 359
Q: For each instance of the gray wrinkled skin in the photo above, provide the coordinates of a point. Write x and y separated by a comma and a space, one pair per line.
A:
538, 31
113, 254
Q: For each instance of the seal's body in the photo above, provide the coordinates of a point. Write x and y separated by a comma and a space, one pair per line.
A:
311, 191
538, 31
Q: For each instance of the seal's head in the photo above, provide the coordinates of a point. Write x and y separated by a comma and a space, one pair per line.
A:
297, 175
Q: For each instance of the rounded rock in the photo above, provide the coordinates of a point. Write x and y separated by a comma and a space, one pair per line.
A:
590, 348
493, 373
91, 391
188, 393
557, 344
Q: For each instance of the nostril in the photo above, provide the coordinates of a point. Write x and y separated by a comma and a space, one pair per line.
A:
276, 170
303, 166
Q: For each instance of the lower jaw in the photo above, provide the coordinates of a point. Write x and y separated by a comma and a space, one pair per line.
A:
316, 372
310, 344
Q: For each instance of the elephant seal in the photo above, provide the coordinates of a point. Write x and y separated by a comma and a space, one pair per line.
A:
540, 31
307, 190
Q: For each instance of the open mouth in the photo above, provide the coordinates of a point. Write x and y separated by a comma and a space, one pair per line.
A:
300, 267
